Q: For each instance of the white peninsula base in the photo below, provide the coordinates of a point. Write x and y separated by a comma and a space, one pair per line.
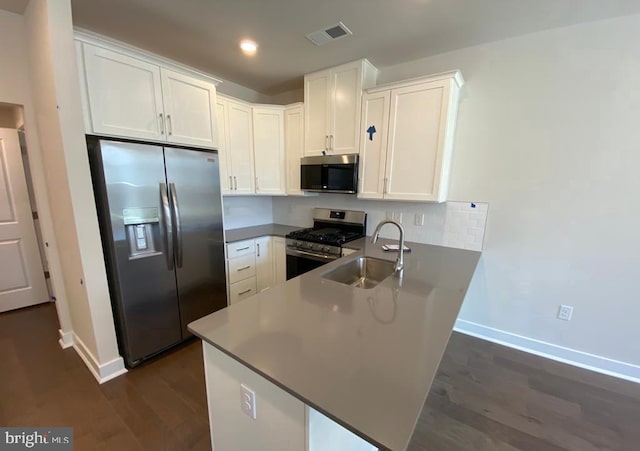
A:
282, 422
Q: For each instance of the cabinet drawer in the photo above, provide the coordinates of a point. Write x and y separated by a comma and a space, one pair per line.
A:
241, 268
240, 248
242, 290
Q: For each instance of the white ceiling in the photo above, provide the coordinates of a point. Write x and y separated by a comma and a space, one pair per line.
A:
205, 33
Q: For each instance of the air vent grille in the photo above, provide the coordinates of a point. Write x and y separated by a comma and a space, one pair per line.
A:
329, 34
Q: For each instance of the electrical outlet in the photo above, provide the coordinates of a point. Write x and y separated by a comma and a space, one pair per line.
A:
397, 215
248, 401
565, 312
419, 219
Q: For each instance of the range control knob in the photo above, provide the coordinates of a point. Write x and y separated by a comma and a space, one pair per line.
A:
326, 249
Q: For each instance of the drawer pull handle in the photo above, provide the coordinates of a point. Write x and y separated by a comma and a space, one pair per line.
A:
244, 267
242, 248
245, 292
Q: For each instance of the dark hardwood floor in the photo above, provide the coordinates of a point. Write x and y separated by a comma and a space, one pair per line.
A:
485, 397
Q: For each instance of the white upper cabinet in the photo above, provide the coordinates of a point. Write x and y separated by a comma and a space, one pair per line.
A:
294, 146
134, 96
239, 150
125, 95
409, 155
268, 150
332, 100
189, 109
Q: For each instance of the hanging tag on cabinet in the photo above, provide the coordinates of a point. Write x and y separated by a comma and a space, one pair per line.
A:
371, 130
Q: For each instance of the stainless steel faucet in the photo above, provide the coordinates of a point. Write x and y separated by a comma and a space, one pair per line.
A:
400, 260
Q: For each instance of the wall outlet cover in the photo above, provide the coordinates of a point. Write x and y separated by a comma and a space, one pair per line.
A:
565, 312
248, 401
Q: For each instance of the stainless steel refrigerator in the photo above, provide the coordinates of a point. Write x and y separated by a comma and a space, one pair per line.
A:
160, 217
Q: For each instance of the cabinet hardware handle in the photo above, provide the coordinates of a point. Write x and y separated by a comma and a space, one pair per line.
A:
235, 183
330, 143
244, 267
242, 248
258, 247
326, 142
230, 183
245, 291
169, 125
161, 124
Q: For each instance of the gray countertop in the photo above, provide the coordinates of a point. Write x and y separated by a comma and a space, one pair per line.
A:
364, 358
246, 233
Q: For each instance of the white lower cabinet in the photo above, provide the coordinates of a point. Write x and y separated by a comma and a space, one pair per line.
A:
408, 130
265, 274
242, 290
280, 259
254, 266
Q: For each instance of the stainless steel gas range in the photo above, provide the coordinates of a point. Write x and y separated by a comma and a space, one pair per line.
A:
310, 248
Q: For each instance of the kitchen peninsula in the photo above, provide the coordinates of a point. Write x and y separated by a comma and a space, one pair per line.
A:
312, 352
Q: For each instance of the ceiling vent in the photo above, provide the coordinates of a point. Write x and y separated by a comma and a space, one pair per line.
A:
329, 34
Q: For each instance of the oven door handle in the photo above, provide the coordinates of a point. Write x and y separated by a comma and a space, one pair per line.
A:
311, 255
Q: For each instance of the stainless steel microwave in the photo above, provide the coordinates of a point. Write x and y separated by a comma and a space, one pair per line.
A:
329, 174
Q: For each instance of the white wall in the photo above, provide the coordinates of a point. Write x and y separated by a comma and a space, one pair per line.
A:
548, 135
247, 211
15, 89
56, 90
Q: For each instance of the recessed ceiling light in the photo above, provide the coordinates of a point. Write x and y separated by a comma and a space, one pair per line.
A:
248, 47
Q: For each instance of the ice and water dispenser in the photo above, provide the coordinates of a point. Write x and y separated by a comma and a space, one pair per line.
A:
142, 226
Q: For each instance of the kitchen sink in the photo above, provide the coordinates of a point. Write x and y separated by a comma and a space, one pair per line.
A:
363, 272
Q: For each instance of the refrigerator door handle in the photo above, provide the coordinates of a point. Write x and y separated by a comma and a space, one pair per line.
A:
167, 223
175, 211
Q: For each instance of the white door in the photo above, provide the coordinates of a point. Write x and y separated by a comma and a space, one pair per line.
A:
125, 95
416, 137
240, 147
265, 276
317, 105
294, 147
268, 150
21, 276
189, 108
346, 92
375, 115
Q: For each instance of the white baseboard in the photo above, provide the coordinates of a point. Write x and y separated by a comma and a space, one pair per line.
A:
102, 372
66, 339
569, 356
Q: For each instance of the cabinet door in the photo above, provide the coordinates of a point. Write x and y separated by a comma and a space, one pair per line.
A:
294, 147
189, 106
241, 290
373, 154
226, 178
268, 150
280, 260
125, 95
415, 144
265, 276
317, 104
240, 146
241, 268
346, 95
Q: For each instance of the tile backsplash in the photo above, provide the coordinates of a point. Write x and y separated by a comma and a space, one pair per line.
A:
453, 224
